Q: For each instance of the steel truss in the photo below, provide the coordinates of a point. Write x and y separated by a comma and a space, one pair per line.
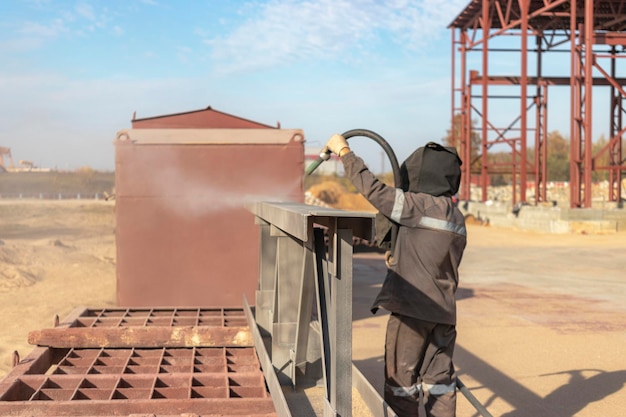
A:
584, 29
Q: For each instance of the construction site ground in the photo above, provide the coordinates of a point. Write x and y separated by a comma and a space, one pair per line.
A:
541, 317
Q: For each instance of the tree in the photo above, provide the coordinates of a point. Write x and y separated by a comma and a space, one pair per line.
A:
558, 157
601, 161
455, 141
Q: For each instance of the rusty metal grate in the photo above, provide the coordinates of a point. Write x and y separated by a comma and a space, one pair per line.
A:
135, 377
114, 374
224, 317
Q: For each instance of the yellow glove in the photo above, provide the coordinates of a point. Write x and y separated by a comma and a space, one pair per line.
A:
336, 144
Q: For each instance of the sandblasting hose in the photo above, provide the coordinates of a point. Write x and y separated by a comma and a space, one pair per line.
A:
395, 167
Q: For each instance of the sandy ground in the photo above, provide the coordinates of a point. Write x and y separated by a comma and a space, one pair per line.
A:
54, 256
542, 323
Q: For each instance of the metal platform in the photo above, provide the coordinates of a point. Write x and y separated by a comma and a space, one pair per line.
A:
205, 374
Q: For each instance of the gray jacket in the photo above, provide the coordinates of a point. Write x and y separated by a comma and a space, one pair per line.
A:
429, 247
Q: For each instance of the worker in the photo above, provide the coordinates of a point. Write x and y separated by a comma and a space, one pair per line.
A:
422, 274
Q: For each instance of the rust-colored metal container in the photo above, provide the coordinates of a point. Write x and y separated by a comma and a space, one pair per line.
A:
183, 234
197, 119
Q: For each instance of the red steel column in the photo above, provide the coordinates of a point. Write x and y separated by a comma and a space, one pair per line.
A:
484, 174
575, 103
466, 119
588, 113
615, 139
544, 147
465, 128
523, 4
615, 127
453, 87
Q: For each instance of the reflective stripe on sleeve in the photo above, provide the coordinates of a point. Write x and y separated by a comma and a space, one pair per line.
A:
405, 391
398, 204
444, 225
439, 389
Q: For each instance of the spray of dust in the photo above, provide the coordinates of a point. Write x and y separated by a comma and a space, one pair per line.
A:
189, 195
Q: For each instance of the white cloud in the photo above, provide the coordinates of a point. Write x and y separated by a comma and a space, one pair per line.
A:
57, 121
52, 23
287, 31
85, 10
20, 45
42, 30
65, 123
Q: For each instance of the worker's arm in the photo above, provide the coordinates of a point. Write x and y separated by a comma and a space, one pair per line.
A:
388, 200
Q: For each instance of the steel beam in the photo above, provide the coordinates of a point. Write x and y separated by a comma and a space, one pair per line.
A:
139, 336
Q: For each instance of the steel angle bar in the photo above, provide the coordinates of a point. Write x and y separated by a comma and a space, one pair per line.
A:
372, 399
276, 392
341, 324
323, 294
473, 400
334, 301
289, 263
297, 219
265, 294
305, 308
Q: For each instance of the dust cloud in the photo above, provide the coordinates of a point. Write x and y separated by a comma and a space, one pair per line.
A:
186, 194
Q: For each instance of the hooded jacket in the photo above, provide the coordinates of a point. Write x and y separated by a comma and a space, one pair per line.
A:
431, 235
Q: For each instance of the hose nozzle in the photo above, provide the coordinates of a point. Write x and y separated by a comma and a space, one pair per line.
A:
324, 156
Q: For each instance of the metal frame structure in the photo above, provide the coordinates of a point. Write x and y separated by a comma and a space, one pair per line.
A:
298, 268
593, 34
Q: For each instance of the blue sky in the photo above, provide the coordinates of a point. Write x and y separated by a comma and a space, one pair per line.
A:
73, 72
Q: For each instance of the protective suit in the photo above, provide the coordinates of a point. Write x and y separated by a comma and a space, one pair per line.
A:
422, 279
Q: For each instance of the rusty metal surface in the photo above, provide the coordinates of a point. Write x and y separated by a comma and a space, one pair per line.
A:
121, 328
204, 118
547, 15
203, 381
156, 336
183, 235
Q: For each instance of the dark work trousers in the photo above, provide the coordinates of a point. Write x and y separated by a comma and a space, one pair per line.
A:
418, 362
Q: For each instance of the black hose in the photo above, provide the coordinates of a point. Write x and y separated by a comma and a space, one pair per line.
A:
395, 167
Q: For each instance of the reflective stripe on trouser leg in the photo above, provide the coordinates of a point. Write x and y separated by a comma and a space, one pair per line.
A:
440, 402
405, 347
438, 376
439, 389
404, 391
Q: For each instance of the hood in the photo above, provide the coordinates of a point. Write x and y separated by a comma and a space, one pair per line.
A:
432, 169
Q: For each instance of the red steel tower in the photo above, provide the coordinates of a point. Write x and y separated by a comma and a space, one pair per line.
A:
587, 37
